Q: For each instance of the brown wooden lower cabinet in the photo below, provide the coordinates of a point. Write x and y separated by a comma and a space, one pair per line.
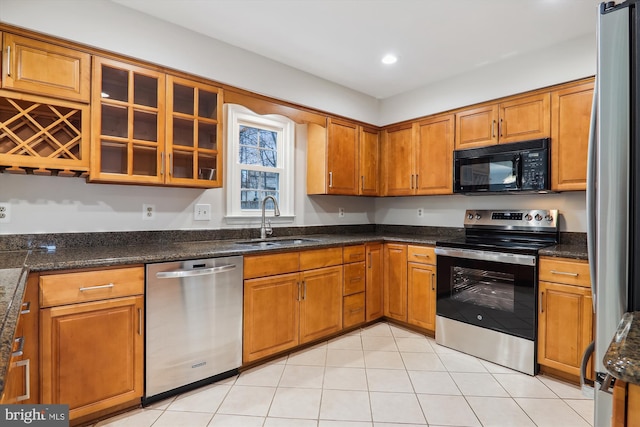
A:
374, 295
282, 311
92, 346
421, 295
395, 281
626, 405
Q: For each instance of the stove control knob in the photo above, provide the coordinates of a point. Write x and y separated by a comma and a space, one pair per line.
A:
470, 216
548, 218
478, 216
528, 217
538, 217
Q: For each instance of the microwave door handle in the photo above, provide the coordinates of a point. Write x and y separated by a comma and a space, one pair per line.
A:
518, 169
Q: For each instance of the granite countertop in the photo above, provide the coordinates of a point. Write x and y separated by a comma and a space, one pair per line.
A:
15, 265
622, 358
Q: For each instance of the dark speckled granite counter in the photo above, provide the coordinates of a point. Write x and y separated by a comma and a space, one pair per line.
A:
622, 358
90, 250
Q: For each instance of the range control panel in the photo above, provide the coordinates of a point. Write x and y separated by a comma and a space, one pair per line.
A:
505, 219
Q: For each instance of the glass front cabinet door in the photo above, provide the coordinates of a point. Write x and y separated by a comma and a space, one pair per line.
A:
152, 128
193, 133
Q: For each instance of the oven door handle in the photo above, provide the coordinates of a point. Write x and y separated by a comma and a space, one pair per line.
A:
520, 259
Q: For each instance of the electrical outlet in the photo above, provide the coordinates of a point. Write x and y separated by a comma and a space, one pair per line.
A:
420, 212
202, 212
341, 212
5, 212
148, 212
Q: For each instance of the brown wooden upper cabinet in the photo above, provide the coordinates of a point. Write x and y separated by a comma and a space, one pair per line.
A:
570, 120
344, 160
418, 157
513, 120
42, 68
152, 128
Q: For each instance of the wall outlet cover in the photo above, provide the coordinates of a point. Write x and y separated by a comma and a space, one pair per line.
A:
148, 212
341, 212
202, 212
5, 212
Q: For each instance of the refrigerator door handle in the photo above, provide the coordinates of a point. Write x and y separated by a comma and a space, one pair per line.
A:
591, 193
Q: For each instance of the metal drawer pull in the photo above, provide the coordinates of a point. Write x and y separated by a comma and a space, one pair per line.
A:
91, 288
422, 255
20, 351
355, 310
197, 272
564, 273
27, 380
26, 307
356, 279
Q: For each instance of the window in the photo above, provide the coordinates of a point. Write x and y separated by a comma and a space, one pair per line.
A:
259, 162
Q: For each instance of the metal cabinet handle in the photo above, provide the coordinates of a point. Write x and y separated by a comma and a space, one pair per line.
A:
564, 273
192, 273
162, 164
542, 302
8, 61
417, 176
501, 127
20, 351
433, 282
412, 181
421, 255
170, 164
362, 182
27, 380
26, 307
356, 279
493, 129
330, 179
140, 321
91, 288
298, 285
369, 259
355, 310
304, 294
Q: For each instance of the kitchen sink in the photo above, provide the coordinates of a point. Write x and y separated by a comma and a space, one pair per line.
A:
275, 242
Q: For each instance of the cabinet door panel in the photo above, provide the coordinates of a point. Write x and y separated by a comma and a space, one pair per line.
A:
369, 162
398, 164
564, 326
434, 156
525, 118
395, 281
343, 158
421, 295
47, 69
92, 354
374, 306
270, 315
321, 303
477, 127
570, 121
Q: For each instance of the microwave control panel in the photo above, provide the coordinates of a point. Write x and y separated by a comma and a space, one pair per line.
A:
534, 170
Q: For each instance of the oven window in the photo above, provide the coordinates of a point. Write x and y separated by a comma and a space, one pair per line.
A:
490, 289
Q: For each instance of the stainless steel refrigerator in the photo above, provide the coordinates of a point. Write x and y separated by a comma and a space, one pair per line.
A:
613, 183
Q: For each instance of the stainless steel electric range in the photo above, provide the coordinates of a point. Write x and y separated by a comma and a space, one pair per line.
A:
487, 284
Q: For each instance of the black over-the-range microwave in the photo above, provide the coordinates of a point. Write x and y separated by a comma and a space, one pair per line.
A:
515, 167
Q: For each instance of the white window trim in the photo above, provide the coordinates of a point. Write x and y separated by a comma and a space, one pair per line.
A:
235, 115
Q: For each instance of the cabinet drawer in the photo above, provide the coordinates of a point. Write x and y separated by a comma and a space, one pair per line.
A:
562, 270
319, 258
270, 265
83, 286
353, 307
354, 278
421, 254
353, 254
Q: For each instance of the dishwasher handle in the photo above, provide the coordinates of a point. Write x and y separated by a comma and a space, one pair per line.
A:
198, 272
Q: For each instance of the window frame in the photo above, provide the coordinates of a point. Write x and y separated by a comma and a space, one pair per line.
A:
236, 116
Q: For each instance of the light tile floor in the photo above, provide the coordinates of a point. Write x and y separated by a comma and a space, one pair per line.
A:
378, 376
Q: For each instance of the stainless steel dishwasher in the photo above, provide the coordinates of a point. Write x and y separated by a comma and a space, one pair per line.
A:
193, 324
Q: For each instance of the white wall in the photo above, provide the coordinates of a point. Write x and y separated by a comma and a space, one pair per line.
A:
51, 204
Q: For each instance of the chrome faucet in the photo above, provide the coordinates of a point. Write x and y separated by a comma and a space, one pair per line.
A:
266, 229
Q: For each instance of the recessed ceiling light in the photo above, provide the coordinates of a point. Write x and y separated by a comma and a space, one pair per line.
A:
389, 59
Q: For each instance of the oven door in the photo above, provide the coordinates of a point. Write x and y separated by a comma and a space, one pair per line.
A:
488, 289
488, 173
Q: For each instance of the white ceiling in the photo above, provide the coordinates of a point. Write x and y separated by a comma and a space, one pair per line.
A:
343, 40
